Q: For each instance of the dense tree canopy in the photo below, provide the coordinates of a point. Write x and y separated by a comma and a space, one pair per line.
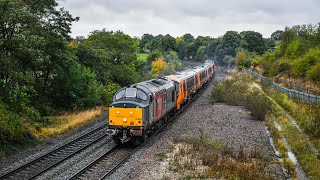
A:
108, 53
39, 71
253, 41
296, 56
203, 47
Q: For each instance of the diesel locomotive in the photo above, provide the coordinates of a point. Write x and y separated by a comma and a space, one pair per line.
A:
139, 109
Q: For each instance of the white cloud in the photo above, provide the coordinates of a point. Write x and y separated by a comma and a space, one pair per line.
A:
198, 17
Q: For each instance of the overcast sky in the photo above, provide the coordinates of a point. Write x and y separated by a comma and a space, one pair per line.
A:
198, 17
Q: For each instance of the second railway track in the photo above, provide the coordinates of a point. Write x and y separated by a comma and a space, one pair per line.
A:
42, 164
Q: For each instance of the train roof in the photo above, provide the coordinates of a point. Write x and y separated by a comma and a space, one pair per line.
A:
198, 68
209, 61
188, 73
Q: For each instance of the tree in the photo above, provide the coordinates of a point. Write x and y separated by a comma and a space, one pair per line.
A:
157, 66
156, 43
168, 43
202, 53
145, 41
33, 46
186, 47
212, 47
277, 35
230, 42
253, 41
105, 51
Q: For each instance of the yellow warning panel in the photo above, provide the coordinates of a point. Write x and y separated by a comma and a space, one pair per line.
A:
125, 116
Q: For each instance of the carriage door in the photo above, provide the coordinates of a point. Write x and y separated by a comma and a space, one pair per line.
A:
165, 102
151, 109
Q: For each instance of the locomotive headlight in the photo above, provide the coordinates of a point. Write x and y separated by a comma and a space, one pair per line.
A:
124, 120
118, 112
131, 113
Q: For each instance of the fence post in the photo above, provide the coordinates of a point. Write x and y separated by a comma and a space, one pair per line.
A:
309, 98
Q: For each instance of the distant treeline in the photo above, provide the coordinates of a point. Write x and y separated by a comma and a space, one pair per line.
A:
204, 47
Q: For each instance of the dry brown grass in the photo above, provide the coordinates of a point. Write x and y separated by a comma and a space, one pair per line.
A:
69, 121
207, 158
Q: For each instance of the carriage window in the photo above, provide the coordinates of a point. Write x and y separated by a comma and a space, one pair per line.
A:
141, 95
131, 92
120, 94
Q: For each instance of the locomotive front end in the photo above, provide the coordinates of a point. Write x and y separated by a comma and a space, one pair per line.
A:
126, 115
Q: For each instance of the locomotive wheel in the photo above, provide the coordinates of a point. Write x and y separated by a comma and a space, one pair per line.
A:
116, 139
136, 141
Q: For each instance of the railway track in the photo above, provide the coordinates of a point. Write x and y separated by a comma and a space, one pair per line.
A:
107, 163
42, 164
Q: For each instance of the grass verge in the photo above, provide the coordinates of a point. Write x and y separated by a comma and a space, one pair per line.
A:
66, 122
306, 115
31, 133
298, 141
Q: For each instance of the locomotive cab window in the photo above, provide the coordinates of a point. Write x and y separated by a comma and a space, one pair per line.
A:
120, 94
141, 95
131, 92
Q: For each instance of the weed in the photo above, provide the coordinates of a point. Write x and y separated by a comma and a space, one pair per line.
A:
207, 158
161, 156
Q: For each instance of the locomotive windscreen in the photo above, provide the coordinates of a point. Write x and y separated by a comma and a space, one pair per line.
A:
131, 93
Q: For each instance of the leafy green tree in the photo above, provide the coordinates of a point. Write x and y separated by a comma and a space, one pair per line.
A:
31, 49
75, 87
269, 44
202, 53
277, 35
156, 43
212, 47
231, 41
253, 41
287, 36
168, 43
105, 51
145, 41
186, 47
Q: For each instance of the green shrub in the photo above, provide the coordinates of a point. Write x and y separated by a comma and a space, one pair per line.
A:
11, 126
239, 92
314, 73
230, 91
258, 104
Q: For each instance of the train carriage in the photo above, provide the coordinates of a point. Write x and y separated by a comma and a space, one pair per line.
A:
186, 86
201, 76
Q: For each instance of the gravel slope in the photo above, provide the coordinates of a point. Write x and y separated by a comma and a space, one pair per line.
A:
232, 125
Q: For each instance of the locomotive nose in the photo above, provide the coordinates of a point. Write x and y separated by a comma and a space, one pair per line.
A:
125, 117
